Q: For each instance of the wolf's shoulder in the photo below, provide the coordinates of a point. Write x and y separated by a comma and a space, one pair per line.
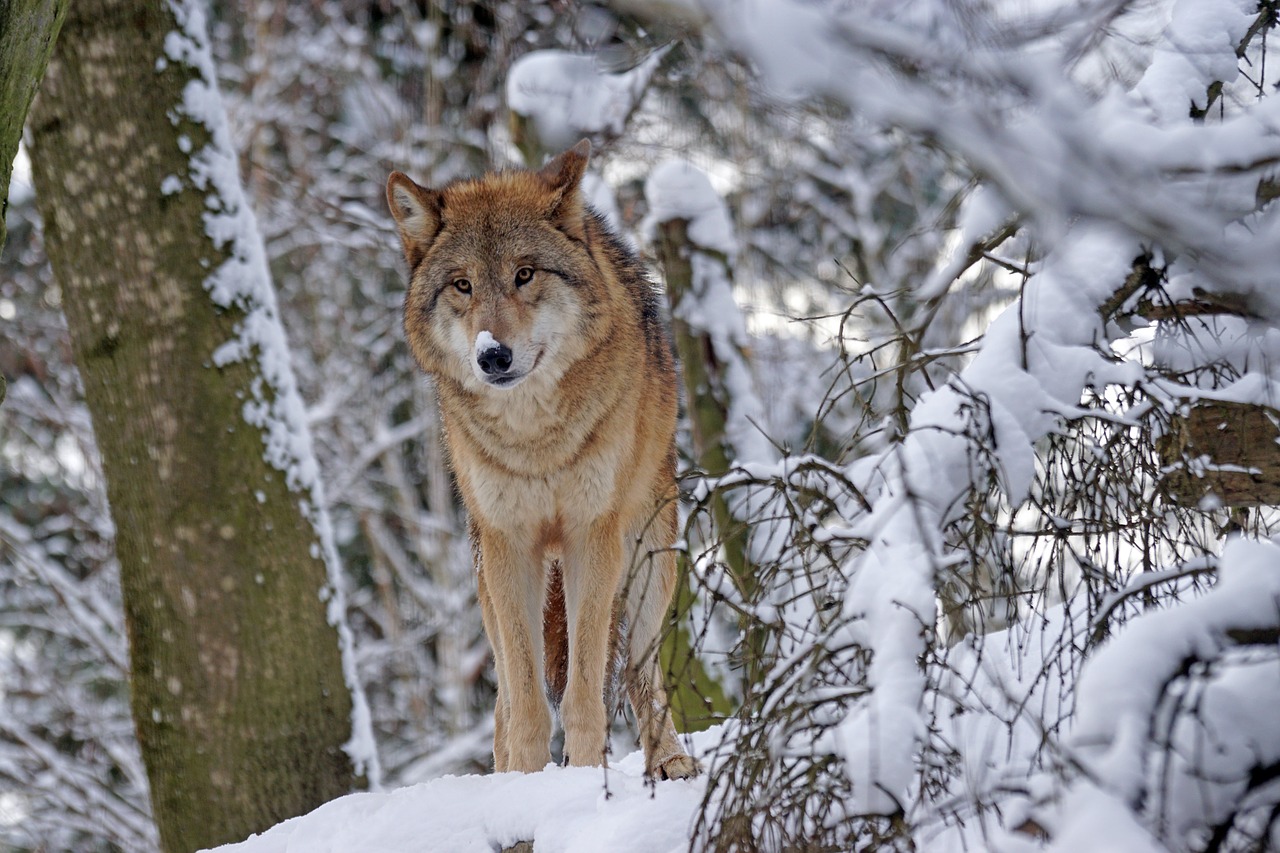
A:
628, 268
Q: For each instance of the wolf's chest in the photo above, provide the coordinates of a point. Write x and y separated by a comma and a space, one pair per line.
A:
567, 468
513, 488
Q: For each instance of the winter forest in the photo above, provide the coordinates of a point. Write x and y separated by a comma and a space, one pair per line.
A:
977, 309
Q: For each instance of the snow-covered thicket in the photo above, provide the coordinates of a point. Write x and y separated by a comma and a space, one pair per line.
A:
1132, 197
988, 259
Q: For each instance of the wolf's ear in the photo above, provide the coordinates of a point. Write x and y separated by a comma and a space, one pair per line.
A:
563, 177
417, 211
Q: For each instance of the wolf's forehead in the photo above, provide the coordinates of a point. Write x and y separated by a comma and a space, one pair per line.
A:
486, 249
495, 198
493, 219
494, 234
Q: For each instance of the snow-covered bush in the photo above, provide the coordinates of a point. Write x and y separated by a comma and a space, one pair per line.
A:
1023, 490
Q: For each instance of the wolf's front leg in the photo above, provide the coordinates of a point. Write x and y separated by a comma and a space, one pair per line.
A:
501, 707
592, 568
512, 576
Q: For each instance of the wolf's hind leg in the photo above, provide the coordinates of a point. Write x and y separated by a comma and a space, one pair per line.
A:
664, 757
555, 636
648, 596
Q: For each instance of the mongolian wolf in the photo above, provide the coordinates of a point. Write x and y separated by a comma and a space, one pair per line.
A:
558, 398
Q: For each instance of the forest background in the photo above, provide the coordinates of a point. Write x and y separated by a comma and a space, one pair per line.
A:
977, 310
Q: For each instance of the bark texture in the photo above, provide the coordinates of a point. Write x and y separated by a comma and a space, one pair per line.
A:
237, 684
28, 29
1228, 450
698, 700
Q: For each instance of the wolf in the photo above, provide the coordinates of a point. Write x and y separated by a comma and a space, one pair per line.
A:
557, 395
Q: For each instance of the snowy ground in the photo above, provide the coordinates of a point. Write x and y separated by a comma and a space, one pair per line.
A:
586, 810
562, 809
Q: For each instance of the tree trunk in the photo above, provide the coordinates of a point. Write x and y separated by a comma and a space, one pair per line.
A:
238, 687
28, 29
707, 399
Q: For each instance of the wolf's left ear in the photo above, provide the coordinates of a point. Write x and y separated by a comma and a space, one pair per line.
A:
563, 177
418, 214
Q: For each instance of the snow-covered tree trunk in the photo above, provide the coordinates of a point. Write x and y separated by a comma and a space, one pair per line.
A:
692, 234
241, 694
697, 697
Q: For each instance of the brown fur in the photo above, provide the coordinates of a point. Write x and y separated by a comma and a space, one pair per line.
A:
564, 451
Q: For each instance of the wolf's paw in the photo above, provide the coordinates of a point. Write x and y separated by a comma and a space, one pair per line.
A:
679, 767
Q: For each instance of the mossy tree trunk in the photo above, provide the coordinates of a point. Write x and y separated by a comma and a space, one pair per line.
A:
28, 29
708, 400
238, 688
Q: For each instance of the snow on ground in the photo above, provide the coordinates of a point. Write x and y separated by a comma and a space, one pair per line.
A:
586, 810
562, 809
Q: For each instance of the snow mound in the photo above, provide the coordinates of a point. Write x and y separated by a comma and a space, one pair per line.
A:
560, 809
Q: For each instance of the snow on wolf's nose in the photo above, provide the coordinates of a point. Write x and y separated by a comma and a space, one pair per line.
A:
494, 359
485, 341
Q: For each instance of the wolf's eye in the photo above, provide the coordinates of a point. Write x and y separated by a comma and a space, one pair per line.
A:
524, 275
462, 284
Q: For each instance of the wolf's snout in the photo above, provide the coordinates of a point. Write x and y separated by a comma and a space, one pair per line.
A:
495, 360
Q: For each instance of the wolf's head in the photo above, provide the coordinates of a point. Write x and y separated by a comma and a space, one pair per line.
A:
502, 282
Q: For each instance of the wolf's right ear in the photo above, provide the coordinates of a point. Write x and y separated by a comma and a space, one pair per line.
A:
563, 177
417, 211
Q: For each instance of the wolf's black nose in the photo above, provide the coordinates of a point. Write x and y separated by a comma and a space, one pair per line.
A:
495, 360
